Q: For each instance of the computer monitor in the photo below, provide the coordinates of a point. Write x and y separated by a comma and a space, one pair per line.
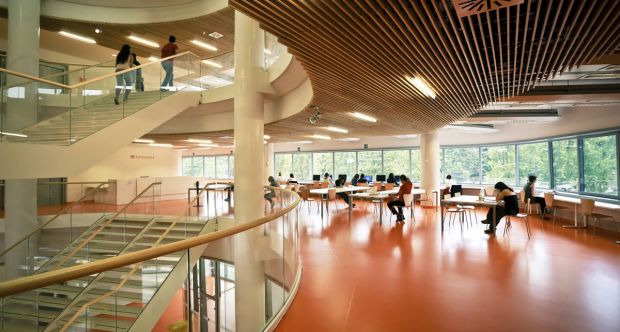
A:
340, 176
316, 177
397, 178
381, 178
368, 178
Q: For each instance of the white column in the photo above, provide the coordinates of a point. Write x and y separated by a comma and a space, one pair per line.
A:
249, 164
429, 158
20, 201
269, 161
23, 57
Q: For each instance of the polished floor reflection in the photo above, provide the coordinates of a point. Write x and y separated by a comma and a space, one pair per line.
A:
360, 276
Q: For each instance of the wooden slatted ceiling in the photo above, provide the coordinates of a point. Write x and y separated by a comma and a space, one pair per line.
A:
114, 35
357, 54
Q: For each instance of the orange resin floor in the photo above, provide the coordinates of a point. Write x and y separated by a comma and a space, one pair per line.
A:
360, 276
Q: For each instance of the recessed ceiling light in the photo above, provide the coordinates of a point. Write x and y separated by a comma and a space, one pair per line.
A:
97, 30
141, 140
406, 136
161, 145
12, 134
204, 45
143, 41
204, 141
421, 86
348, 139
216, 35
363, 117
77, 37
337, 130
321, 137
266, 136
212, 63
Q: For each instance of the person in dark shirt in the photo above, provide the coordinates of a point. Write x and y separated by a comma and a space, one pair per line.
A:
530, 191
354, 180
272, 193
509, 207
399, 202
391, 178
362, 179
169, 49
340, 182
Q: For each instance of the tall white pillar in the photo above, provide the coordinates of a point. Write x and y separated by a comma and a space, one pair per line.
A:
249, 157
429, 158
269, 161
20, 201
22, 56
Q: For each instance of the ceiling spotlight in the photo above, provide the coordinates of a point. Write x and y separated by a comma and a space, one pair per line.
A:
161, 145
406, 136
97, 30
266, 136
316, 116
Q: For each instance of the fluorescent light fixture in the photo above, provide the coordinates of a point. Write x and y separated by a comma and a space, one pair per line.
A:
77, 37
12, 134
302, 142
114, 55
212, 64
143, 41
473, 128
406, 136
363, 117
153, 58
226, 137
202, 148
207, 145
161, 145
421, 86
141, 140
204, 45
348, 139
203, 141
266, 136
337, 130
321, 137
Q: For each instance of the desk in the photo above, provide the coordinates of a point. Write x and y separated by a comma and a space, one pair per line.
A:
469, 200
383, 195
324, 191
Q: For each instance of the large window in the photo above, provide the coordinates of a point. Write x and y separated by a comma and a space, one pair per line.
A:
415, 165
396, 161
600, 171
231, 167
566, 165
369, 163
462, 163
302, 166
498, 164
221, 167
283, 164
186, 166
345, 163
534, 160
209, 167
323, 162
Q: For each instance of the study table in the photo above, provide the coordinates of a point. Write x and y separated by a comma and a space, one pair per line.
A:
324, 191
382, 195
469, 200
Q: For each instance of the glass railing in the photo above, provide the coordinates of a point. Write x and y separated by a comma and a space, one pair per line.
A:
107, 237
40, 111
113, 292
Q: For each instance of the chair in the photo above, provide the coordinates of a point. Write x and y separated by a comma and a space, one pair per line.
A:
454, 209
324, 185
296, 187
549, 200
426, 197
467, 208
527, 203
305, 197
389, 186
524, 216
408, 203
331, 197
489, 190
377, 185
587, 206
362, 184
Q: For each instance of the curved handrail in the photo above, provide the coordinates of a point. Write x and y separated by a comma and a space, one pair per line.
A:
73, 272
97, 79
69, 207
102, 226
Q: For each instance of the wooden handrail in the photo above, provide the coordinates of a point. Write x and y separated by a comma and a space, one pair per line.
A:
97, 79
69, 273
102, 226
69, 207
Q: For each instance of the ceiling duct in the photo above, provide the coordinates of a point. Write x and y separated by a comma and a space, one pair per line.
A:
466, 8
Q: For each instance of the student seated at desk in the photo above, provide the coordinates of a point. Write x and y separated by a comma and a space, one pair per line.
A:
272, 193
339, 184
291, 179
354, 180
362, 179
509, 207
405, 188
392, 179
530, 191
281, 179
327, 178
447, 186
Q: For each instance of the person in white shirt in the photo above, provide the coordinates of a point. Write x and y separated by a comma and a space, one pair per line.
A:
448, 185
281, 179
291, 179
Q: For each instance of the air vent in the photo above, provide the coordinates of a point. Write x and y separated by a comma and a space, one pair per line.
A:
466, 8
216, 35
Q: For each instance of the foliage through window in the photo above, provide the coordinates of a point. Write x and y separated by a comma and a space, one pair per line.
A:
323, 162
600, 165
498, 164
566, 165
396, 161
534, 160
462, 163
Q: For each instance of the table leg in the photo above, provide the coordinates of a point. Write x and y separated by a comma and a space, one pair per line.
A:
413, 207
381, 213
442, 216
436, 199
321, 206
350, 206
576, 225
494, 218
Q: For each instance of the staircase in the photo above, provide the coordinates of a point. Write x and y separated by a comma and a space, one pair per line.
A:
51, 307
72, 126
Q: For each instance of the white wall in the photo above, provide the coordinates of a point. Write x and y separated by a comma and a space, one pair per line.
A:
134, 161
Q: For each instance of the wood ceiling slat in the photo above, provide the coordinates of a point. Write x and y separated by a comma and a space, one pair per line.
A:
357, 54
